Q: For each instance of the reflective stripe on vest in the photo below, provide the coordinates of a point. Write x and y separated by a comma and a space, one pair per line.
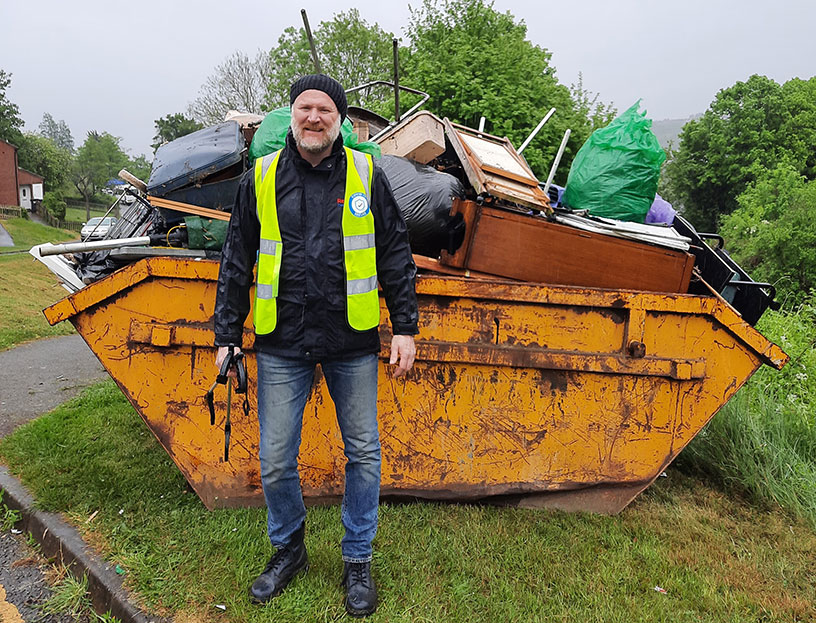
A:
359, 249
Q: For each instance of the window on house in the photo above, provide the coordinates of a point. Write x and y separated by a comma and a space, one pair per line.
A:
24, 192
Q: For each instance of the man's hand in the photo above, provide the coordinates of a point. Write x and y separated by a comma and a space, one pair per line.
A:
221, 355
403, 350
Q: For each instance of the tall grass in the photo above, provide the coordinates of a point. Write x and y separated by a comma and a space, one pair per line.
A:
762, 445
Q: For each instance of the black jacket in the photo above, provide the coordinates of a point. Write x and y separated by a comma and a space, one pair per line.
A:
311, 300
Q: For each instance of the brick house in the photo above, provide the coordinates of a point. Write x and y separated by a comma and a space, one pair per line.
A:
18, 187
9, 193
30, 186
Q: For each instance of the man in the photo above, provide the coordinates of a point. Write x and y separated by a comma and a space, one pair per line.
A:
325, 226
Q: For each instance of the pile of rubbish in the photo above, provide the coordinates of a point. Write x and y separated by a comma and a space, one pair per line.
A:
472, 205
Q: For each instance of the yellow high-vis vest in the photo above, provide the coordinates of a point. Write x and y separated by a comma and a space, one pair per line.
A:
359, 250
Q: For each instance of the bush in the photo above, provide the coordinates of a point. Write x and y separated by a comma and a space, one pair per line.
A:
772, 233
54, 203
762, 444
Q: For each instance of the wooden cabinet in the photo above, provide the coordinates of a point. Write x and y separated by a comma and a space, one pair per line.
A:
529, 247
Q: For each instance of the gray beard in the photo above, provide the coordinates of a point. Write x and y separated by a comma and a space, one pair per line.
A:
316, 148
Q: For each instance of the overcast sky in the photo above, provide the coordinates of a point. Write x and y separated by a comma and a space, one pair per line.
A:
116, 67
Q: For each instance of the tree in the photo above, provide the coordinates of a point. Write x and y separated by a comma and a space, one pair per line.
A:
475, 61
239, 83
40, 155
588, 105
171, 127
772, 233
58, 132
98, 160
350, 50
10, 121
54, 204
140, 167
748, 128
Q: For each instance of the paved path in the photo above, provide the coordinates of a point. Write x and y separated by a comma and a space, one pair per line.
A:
38, 376
5, 238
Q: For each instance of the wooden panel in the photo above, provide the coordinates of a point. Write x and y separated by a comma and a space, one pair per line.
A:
361, 130
188, 208
429, 263
421, 138
530, 248
493, 166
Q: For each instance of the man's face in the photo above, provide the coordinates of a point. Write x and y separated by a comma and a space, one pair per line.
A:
315, 121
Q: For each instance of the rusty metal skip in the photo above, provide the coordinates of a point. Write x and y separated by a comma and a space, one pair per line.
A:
571, 397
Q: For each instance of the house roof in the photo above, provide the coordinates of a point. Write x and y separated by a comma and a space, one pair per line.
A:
9, 144
26, 179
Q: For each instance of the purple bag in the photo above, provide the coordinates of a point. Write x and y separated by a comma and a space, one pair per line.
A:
660, 212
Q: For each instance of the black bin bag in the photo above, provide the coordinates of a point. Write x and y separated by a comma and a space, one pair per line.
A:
424, 196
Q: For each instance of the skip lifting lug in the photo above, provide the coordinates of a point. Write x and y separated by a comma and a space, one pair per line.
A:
237, 361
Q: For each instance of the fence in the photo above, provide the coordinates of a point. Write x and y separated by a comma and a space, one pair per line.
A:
55, 222
11, 212
79, 203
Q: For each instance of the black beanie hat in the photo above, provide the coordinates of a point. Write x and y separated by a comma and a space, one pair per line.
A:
321, 82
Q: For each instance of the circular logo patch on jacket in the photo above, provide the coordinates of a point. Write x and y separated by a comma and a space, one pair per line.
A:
358, 204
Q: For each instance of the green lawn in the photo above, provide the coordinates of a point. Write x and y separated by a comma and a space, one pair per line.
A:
717, 558
26, 233
77, 215
26, 286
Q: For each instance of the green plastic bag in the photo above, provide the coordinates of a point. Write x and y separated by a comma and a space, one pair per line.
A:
271, 135
205, 233
615, 172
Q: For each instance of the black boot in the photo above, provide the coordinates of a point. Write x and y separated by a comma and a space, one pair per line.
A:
284, 565
361, 593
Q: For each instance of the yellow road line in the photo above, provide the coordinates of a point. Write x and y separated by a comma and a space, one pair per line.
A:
8, 612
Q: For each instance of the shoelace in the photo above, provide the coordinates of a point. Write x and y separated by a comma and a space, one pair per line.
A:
359, 574
278, 560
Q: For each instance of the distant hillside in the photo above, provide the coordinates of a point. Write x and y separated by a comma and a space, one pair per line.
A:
667, 130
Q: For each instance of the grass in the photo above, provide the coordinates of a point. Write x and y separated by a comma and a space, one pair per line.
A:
718, 558
26, 286
77, 215
8, 517
762, 445
70, 596
27, 233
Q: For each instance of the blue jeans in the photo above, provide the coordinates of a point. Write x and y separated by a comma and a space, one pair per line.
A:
283, 388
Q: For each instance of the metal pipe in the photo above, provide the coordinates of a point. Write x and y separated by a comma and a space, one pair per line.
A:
557, 159
481, 124
97, 245
408, 113
110, 209
396, 82
374, 83
537, 128
311, 41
